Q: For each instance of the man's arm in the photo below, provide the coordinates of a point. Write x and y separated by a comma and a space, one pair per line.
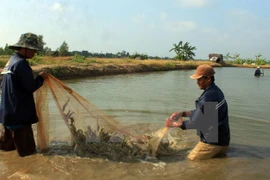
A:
177, 115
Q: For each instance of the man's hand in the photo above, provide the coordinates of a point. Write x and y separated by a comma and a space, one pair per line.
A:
44, 74
172, 123
176, 115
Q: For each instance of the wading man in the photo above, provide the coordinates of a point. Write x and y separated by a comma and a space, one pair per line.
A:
17, 108
258, 72
210, 118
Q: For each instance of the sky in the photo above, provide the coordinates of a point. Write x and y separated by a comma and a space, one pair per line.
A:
144, 26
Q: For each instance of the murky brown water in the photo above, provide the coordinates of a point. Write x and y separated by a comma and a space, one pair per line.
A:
149, 99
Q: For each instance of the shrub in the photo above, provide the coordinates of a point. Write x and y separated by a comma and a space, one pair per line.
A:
249, 61
92, 61
238, 61
3, 63
36, 60
78, 58
260, 62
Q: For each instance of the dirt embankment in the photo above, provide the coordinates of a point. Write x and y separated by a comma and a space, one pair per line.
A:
84, 71
71, 72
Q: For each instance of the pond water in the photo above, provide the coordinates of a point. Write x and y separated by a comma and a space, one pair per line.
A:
149, 98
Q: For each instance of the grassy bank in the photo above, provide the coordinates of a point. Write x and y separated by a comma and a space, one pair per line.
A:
67, 68
70, 68
115, 67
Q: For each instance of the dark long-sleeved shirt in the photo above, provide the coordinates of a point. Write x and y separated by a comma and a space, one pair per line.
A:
210, 117
257, 72
18, 85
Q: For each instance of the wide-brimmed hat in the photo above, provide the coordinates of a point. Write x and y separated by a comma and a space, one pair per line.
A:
203, 70
27, 40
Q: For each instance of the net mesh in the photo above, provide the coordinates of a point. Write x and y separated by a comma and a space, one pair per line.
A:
89, 130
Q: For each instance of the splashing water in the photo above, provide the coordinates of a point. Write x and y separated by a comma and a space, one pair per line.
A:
157, 137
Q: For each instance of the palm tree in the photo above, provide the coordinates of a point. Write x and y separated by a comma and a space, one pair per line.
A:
258, 56
236, 56
177, 48
228, 57
183, 52
188, 51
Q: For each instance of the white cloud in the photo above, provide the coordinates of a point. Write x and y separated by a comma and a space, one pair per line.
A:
57, 7
139, 18
163, 16
209, 30
180, 26
193, 3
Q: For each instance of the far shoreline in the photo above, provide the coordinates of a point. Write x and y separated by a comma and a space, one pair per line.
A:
65, 72
104, 67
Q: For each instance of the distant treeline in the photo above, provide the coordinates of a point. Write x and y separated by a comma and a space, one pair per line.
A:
63, 50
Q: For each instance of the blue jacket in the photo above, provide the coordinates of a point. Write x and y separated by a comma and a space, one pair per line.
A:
210, 117
257, 72
18, 85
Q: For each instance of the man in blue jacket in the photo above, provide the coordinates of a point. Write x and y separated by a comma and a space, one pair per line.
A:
17, 108
258, 72
210, 118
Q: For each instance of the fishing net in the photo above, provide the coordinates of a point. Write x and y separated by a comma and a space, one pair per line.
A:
68, 119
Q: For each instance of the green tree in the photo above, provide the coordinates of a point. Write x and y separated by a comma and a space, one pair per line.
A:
63, 49
41, 45
183, 52
85, 53
258, 56
144, 56
177, 49
227, 57
1, 51
7, 51
236, 56
138, 56
259, 60
188, 51
124, 53
47, 51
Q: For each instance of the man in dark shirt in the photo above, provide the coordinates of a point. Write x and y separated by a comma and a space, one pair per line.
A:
258, 72
210, 118
17, 108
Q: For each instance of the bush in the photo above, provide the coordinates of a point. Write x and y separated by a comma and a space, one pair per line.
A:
36, 60
3, 63
238, 61
249, 61
78, 58
260, 62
